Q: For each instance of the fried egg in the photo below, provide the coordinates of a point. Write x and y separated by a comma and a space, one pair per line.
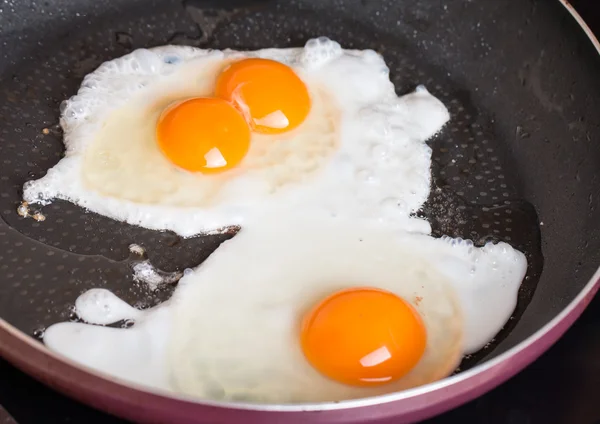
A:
155, 139
240, 326
332, 289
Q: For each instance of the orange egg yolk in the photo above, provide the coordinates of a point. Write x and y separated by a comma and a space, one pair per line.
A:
203, 134
363, 337
270, 93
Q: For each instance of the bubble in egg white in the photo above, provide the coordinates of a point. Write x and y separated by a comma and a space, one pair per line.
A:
100, 306
144, 272
319, 51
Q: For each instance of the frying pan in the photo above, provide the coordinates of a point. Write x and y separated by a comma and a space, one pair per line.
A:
519, 162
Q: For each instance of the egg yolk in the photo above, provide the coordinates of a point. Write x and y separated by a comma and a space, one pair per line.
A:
270, 93
203, 135
363, 337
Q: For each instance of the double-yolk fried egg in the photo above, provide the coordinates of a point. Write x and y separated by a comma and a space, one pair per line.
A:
191, 140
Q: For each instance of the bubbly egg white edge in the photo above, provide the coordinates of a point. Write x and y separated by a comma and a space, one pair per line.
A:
64, 180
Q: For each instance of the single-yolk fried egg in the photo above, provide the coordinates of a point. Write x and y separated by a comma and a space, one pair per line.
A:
190, 140
322, 310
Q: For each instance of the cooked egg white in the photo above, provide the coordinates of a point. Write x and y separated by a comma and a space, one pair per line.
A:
231, 330
360, 153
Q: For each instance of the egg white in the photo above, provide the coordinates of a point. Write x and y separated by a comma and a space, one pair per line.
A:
361, 152
231, 329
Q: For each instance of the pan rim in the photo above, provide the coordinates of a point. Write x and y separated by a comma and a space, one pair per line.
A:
20, 349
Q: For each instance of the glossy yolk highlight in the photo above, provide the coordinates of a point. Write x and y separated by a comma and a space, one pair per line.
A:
270, 93
203, 135
363, 337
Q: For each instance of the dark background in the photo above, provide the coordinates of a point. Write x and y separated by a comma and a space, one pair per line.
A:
563, 386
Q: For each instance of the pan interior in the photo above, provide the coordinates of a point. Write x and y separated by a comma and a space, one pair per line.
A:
482, 161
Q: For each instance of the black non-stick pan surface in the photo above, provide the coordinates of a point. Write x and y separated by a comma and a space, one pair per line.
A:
519, 161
